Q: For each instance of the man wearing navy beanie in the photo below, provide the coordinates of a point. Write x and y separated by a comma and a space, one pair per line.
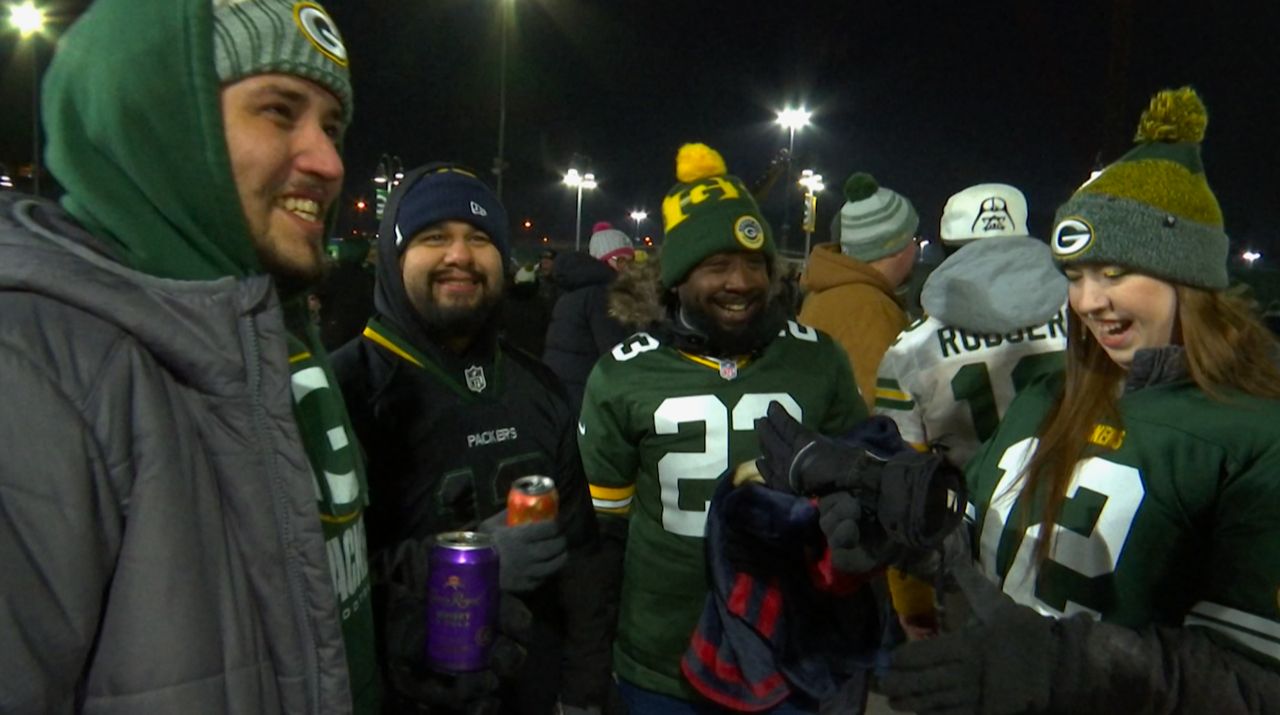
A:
450, 415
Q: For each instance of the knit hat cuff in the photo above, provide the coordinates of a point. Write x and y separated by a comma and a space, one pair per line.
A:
868, 251
337, 84
1094, 228
618, 252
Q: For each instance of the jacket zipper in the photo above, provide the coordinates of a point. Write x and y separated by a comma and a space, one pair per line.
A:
296, 580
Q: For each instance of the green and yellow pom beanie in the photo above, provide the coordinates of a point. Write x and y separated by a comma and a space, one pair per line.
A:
708, 212
1152, 210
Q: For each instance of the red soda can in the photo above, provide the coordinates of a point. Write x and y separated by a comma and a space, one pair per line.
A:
532, 498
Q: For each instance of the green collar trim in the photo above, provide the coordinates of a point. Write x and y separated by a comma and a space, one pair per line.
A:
473, 385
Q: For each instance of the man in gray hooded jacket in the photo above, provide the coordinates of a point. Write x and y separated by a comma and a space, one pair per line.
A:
995, 322
181, 497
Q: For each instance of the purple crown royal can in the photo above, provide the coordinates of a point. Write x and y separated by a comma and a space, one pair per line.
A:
462, 601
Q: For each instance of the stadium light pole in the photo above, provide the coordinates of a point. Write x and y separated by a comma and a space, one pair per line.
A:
386, 177
792, 119
28, 20
580, 182
505, 10
639, 216
813, 185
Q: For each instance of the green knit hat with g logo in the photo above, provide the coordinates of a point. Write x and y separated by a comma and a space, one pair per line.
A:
707, 212
252, 37
1152, 210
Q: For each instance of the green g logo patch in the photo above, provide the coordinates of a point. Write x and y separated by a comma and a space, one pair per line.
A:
1072, 237
317, 27
749, 232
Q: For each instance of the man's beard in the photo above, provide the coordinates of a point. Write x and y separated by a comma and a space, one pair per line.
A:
695, 323
290, 278
457, 321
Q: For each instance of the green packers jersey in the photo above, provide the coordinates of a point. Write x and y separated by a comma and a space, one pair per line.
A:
342, 495
1173, 517
948, 388
659, 428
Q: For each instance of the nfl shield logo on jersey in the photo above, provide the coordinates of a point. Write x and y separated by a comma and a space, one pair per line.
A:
475, 378
729, 370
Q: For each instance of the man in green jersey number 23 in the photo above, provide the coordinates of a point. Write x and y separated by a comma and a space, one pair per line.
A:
670, 411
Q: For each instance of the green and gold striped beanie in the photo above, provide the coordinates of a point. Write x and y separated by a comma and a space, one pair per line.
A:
1152, 210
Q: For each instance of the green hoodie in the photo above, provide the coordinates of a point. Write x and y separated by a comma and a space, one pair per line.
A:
146, 166
135, 135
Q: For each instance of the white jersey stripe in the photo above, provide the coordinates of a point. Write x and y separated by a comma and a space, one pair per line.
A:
611, 503
1260, 634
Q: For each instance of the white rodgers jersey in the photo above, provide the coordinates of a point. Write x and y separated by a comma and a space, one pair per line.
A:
948, 388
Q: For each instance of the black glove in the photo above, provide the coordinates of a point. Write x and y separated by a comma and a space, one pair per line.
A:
1002, 663
528, 554
916, 498
798, 460
403, 572
858, 545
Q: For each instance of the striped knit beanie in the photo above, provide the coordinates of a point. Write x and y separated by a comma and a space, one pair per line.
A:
874, 221
252, 37
1152, 210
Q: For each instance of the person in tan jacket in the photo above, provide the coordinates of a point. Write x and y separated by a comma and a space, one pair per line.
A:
851, 283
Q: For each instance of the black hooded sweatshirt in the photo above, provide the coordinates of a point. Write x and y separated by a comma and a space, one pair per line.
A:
445, 434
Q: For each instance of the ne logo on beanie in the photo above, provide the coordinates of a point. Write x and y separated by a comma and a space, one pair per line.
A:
1072, 237
320, 29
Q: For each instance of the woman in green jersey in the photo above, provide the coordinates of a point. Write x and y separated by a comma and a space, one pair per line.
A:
1126, 513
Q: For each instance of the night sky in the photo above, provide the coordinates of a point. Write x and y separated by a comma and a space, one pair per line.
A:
928, 97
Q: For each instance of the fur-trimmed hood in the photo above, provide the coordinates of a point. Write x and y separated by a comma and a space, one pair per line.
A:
635, 298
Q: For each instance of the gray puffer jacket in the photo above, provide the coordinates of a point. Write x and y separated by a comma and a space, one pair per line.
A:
159, 537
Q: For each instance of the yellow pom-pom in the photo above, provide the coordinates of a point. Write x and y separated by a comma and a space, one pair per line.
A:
1174, 115
698, 161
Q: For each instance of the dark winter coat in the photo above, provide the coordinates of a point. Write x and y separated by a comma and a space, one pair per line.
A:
446, 434
581, 329
526, 315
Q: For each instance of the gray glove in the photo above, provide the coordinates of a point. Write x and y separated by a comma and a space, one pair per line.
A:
528, 554
1001, 664
858, 544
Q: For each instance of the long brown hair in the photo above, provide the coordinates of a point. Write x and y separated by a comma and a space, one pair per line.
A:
1227, 349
